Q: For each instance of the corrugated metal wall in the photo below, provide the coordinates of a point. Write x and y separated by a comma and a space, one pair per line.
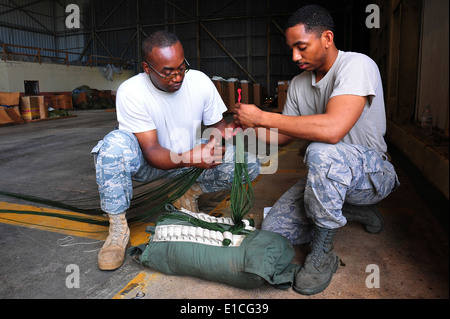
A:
37, 24
27, 26
242, 39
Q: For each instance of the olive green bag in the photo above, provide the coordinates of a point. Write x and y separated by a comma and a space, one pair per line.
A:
194, 244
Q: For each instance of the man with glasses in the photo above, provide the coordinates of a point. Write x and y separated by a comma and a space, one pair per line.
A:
160, 112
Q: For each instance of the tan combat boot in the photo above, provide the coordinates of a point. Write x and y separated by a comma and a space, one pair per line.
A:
189, 200
112, 254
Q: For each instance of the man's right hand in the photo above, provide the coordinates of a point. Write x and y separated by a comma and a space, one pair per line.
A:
205, 156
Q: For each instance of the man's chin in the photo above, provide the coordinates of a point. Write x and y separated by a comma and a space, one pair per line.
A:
174, 88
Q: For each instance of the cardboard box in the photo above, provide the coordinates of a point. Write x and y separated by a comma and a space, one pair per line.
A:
14, 114
10, 113
257, 95
228, 90
222, 88
10, 99
62, 101
282, 94
247, 93
32, 108
232, 95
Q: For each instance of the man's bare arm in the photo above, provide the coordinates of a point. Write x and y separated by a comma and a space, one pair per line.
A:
342, 112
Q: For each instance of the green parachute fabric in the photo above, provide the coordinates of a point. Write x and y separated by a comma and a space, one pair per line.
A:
225, 250
182, 244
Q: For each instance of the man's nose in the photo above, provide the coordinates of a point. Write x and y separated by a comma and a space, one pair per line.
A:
296, 56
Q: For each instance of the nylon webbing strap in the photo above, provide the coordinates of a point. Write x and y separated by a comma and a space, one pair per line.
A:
242, 196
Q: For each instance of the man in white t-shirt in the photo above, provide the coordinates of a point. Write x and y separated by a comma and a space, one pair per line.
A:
160, 112
337, 104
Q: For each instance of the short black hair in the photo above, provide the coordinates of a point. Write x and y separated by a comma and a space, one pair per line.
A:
315, 19
159, 39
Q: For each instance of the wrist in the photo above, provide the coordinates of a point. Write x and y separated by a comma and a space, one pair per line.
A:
261, 119
178, 160
185, 159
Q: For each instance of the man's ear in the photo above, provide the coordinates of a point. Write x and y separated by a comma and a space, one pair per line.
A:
328, 38
145, 67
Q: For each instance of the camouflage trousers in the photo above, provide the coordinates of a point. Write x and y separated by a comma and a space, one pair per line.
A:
336, 173
119, 160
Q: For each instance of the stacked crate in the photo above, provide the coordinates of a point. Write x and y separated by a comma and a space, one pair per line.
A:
33, 108
9, 108
282, 94
62, 101
228, 91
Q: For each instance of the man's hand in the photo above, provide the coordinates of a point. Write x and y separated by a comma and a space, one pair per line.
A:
247, 115
205, 155
227, 131
231, 130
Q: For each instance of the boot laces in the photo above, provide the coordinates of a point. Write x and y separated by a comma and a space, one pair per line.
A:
321, 245
118, 230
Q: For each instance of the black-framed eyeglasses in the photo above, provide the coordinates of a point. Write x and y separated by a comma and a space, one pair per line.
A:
182, 71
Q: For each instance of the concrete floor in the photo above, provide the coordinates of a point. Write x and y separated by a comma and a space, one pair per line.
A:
41, 255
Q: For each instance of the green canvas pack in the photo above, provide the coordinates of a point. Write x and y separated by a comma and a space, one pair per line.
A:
198, 245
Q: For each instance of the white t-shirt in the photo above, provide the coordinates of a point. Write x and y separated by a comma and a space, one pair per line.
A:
176, 116
351, 74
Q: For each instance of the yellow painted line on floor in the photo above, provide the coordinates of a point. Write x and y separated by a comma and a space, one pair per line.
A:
65, 226
222, 209
136, 286
53, 224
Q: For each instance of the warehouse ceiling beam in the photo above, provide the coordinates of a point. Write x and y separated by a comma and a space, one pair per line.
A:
16, 7
86, 46
186, 13
162, 24
245, 17
277, 26
195, 20
19, 8
223, 6
204, 28
103, 45
227, 52
110, 14
22, 28
95, 30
